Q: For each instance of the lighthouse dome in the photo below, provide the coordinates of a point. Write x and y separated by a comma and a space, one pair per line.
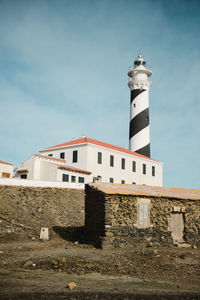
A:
139, 61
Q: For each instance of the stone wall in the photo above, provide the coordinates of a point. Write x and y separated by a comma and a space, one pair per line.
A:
24, 210
120, 226
94, 212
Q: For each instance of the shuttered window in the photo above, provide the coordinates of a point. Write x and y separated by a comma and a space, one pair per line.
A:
111, 160
73, 178
123, 163
81, 179
62, 155
65, 177
75, 156
144, 169
99, 158
153, 171
133, 166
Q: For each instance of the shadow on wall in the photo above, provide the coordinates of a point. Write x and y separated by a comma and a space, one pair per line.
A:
76, 234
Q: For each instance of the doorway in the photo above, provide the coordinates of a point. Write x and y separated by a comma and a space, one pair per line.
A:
177, 226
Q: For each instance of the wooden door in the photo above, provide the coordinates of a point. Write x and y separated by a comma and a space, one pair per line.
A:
177, 226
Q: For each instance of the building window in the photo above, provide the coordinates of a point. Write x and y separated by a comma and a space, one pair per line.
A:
111, 180
99, 158
133, 182
133, 166
24, 176
73, 178
6, 175
153, 171
62, 155
122, 181
98, 176
50, 154
144, 170
65, 177
143, 215
75, 156
81, 179
123, 163
111, 161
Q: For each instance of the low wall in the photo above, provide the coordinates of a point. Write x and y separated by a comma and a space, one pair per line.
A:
25, 210
116, 220
38, 183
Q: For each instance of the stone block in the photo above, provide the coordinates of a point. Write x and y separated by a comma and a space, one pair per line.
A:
44, 234
176, 209
108, 233
183, 245
107, 246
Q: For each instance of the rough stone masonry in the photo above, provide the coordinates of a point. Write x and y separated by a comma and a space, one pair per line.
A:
126, 215
25, 210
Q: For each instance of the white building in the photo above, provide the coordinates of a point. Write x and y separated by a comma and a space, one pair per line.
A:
84, 159
108, 162
6, 169
47, 168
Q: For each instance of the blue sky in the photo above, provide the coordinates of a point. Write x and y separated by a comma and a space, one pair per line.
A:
63, 74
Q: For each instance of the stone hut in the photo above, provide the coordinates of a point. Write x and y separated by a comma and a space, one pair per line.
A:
121, 215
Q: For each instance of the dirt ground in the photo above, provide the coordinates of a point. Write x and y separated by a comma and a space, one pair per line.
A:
32, 269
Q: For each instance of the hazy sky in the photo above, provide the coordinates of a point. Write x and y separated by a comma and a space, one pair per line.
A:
63, 74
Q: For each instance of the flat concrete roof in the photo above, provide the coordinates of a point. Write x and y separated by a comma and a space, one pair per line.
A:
147, 190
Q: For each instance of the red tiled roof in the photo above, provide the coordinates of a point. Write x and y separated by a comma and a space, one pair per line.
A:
147, 190
22, 171
5, 163
86, 140
51, 158
69, 168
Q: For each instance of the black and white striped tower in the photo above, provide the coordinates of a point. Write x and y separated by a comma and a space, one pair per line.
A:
139, 84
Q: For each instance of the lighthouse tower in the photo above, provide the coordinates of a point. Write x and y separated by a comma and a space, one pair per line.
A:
139, 84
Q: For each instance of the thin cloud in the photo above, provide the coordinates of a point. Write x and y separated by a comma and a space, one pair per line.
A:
63, 74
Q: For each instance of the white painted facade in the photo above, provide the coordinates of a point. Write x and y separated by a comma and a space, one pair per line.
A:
44, 168
6, 170
87, 159
39, 183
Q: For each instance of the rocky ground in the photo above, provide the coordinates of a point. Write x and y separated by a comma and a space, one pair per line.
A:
62, 269
67, 267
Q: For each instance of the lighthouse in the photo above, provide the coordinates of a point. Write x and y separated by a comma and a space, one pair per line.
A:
139, 84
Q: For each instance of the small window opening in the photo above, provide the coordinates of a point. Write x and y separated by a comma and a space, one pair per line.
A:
73, 178
62, 155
